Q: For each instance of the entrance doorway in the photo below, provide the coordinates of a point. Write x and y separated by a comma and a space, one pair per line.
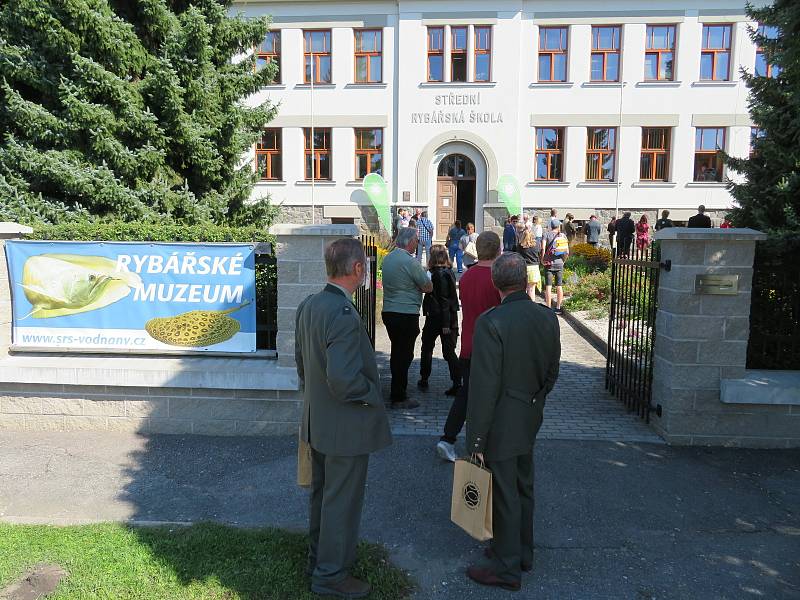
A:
455, 193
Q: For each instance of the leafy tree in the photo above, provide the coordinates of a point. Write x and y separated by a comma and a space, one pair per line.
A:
769, 197
131, 109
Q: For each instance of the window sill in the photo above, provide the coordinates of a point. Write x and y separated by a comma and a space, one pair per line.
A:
271, 182
603, 84
274, 86
458, 84
706, 184
551, 84
366, 86
325, 182
597, 184
360, 183
711, 83
547, 184
659, 83
307, 86
653, 184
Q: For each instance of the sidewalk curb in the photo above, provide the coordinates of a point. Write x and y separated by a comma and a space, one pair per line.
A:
590, 336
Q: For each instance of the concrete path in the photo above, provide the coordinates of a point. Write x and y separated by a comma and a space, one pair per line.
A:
579, 408
614, 520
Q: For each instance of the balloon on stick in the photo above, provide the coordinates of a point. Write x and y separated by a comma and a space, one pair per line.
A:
509, 193
378, 194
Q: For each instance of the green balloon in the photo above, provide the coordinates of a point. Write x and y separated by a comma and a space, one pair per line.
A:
378, 194
508, 191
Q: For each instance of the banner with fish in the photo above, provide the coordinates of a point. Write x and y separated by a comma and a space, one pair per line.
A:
132, 296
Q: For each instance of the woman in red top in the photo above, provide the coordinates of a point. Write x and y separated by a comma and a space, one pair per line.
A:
642, 233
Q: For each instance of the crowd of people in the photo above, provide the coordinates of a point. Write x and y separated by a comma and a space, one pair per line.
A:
503, 333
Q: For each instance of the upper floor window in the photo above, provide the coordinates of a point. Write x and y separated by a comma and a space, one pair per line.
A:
601, 150
369, 152
318, 154
483, 53
763, 67
715, 57
270, 52
369, 58
458, 54
659, 56
268, 155
606, 52
435, 53
553, 53
317, 50
708, 146
654, 162
550, 154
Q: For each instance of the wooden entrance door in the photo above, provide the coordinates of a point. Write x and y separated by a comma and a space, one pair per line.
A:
445, 207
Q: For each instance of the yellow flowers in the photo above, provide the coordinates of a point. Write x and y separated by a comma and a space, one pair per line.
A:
67, 284
195, 329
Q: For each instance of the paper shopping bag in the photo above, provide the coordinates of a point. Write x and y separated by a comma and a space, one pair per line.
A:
303, 463
471, 507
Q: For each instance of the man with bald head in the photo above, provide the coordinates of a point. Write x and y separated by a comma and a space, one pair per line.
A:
515, 357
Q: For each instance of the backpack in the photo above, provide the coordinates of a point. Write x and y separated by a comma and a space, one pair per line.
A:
557, 248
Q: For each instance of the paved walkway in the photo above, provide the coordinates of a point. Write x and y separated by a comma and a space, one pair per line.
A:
579, 408
614, 520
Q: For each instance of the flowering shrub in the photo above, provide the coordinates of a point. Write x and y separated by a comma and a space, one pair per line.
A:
596, 258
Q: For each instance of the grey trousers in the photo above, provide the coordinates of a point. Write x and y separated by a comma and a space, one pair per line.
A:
512, 515
337, 496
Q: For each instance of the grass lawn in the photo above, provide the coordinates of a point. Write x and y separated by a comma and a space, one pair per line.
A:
203, 561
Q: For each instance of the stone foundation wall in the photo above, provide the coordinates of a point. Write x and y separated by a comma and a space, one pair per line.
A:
38, 407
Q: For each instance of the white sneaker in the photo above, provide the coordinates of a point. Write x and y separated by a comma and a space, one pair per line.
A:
446, 451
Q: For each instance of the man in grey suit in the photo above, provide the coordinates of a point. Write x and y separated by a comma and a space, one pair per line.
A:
344, 418
515, 358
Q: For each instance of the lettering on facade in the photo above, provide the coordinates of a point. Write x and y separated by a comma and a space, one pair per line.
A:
447, 116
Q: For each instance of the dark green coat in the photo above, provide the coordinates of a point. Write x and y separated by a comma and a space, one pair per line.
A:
515, 358
343, 409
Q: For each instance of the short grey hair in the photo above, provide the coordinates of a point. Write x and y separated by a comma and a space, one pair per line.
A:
510, 273
341, 257
405, 237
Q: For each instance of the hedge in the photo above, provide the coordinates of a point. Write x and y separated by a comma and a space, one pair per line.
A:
119, 231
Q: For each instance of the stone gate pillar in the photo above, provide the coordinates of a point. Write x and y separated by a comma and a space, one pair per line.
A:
300, 254
702, 330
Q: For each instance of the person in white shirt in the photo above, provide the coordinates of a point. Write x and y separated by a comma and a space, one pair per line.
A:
537, 230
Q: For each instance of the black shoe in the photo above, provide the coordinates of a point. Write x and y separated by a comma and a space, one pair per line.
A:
487, 577
559, 311
453, 390
405, 404
350, 587
422, 384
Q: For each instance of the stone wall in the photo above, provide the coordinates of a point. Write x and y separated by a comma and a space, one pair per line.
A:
224, 395
701, 342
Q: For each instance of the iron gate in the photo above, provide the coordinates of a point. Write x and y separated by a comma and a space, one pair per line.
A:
632, 328
366, 294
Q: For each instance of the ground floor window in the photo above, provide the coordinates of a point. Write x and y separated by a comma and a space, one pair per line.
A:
654, 163
268, 155
709, 143
318, 157
550, 154
369, 152
601, 150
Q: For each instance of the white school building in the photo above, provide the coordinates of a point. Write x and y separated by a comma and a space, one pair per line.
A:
592, 106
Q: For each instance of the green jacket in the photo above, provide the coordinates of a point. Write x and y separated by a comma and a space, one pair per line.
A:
515, 358
343, 409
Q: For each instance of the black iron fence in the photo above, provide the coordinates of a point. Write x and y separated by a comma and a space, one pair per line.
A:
365, 296
266, 298
775, 306
632, 328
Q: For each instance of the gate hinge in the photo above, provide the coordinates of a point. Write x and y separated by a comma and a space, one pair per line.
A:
666, 265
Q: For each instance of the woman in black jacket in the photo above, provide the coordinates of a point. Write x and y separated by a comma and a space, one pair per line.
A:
440, 308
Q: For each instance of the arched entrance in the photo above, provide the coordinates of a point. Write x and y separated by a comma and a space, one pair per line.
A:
455, 192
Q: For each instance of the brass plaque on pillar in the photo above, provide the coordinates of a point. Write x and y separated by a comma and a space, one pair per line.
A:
716, 285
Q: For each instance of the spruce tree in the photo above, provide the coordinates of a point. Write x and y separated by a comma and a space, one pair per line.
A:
129, 109
769, 197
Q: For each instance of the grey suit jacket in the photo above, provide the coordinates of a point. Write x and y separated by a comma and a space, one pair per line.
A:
343, 409
515, 360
